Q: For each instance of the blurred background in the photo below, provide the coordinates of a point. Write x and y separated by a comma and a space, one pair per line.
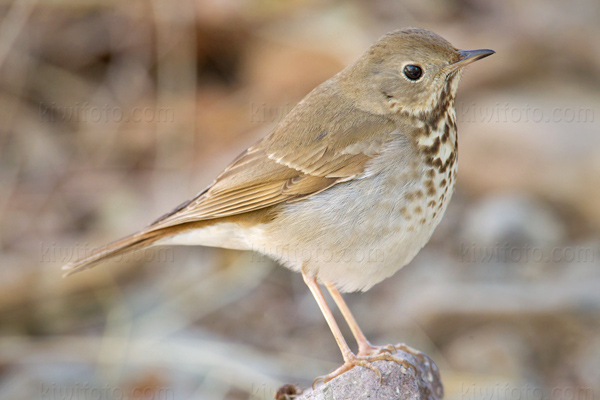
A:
112, 113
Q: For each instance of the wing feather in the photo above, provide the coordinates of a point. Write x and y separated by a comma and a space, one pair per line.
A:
322, 142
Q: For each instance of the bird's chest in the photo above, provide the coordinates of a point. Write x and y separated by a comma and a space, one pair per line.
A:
371, 227
423, 188
395, 216
438, 152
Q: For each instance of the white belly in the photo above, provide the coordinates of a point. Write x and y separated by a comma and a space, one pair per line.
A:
348, 239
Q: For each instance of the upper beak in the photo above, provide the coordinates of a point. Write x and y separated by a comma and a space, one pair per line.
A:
469, 56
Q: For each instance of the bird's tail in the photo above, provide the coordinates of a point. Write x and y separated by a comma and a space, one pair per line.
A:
127, 244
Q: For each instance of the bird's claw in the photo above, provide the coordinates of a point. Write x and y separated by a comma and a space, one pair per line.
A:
377, 353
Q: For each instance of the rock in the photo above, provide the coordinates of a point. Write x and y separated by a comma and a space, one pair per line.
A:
397, 382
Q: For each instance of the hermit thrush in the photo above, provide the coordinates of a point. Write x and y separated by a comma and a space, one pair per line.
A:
347, 188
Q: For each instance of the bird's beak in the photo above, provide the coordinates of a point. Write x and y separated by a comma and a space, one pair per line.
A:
469, 56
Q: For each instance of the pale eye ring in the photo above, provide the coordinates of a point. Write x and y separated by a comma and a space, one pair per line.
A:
413, 72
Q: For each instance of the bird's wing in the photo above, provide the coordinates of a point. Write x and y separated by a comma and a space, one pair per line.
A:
290, 164
300, 158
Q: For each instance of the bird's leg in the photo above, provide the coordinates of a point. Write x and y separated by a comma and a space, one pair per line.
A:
365, 348
350, 360
312, 284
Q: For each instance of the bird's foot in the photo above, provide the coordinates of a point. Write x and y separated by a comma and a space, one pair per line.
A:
378, 353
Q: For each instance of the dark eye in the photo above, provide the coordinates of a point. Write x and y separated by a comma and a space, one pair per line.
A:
413, 72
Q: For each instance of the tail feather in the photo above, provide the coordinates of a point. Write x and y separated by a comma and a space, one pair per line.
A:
127, 244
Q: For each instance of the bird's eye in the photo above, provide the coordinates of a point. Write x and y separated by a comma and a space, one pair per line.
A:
413, 72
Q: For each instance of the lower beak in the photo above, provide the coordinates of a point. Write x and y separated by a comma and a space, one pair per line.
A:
469, 56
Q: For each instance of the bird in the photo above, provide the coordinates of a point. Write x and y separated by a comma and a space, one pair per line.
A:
346, 189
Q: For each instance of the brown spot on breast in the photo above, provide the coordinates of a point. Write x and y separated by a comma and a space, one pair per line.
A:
426, 131
434, 148
430, 173
404, 212
431, 204
430, 185
418, 210
446, 134
443, 183
443, 166
422, 221
419, 194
